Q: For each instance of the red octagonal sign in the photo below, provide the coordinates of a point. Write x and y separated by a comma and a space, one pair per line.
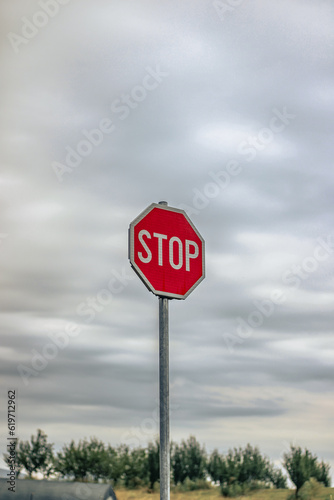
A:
166, 251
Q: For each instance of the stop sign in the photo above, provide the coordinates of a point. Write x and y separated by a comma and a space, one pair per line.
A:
166, 251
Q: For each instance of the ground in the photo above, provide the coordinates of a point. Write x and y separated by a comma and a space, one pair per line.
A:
213, 494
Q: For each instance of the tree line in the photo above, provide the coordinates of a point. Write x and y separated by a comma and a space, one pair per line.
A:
237, 472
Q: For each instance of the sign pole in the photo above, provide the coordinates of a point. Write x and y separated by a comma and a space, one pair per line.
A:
164, 395
164, 399
167, 252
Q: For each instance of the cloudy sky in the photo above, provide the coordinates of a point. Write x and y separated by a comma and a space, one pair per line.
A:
224, 109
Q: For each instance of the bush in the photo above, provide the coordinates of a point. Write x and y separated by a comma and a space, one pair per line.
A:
191, 485
256, 485
310, 490
197, 484
156, 487
232, 490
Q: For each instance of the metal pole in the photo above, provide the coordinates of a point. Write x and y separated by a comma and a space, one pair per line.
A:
164, 399
164, 396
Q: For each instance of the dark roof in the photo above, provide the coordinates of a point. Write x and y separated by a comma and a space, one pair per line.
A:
26, 489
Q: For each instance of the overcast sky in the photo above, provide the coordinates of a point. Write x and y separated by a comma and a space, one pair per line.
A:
224, 109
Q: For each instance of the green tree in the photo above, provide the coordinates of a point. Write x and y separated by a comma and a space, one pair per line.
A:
134, 466
246, 468
153, 463
116, 466
122, 464
253, 466
322, 474
34, 456
233, 462
98, 460
73, 460
277, 478
301, 465
217, 467
177, 463
188, 460
196, 459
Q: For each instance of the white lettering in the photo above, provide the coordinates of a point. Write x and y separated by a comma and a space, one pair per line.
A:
160, 238
189, 255
147, 259
171, 252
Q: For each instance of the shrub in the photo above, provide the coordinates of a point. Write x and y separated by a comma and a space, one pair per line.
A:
232, 490
310, 490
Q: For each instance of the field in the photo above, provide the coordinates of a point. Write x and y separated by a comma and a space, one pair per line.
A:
213, 494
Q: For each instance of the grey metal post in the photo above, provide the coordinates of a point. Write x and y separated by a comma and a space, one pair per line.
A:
164, 396
164, 399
